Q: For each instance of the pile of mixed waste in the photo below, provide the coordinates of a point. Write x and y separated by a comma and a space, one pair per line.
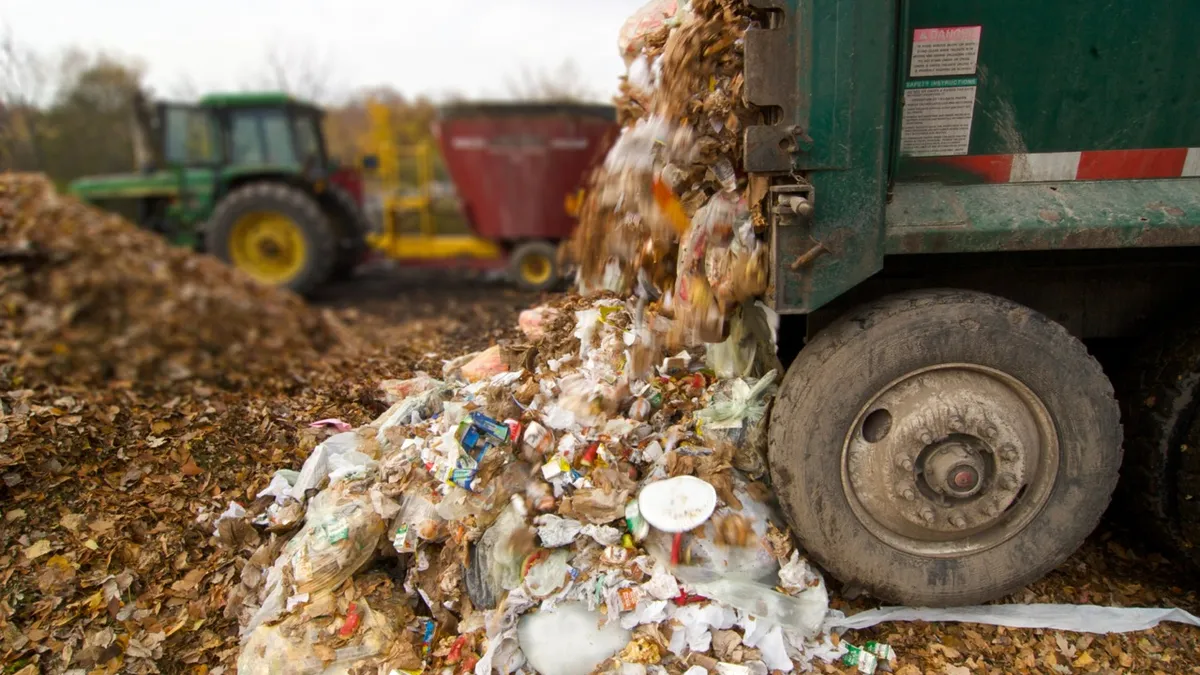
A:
585, 492
592, 500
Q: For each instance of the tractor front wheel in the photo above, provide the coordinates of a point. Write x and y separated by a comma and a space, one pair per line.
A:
534, 266
275, 233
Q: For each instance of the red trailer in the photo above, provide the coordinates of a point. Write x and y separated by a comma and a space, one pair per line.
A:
514, 166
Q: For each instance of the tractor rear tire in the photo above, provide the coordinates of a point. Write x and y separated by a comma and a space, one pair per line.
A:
944, 447
318, 235
1163, 437
352, 233
534, 266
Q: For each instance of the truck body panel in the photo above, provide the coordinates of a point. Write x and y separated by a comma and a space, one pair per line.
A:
992, 126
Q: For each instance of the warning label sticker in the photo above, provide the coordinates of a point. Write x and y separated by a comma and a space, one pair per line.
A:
945, 51
937, 117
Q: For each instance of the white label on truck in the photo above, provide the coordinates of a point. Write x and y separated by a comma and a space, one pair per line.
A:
945, 51
937, 117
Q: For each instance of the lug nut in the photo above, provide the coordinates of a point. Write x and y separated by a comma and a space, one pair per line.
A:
1007, 452
909, 494
989, 432
1008, 481
926, 438
904, 463
927, 515
958, 521
990, 510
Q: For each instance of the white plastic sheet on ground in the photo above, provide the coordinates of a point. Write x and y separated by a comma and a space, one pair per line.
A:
1076, 618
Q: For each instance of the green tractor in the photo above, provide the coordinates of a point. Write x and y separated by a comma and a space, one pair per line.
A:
245, 177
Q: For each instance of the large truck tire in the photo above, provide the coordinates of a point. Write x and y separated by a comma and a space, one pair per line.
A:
1162, 481
533, 266
944, 447
277, 234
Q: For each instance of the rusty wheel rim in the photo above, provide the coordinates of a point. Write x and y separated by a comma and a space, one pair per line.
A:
949, 460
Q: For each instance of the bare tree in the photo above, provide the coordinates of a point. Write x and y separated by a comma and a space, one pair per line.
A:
304, 73
563, 84
24, 84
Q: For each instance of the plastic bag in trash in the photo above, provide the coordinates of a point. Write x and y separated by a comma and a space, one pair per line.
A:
417, 521
487, 363
395, 391
317, 467
750, 349
340, 534
803, 613
544, 634
496, 559
290, 647
736, 420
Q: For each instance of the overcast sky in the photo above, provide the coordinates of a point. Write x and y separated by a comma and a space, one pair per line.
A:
472, 47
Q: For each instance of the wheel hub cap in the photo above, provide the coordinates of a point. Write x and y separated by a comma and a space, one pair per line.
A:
268, 246
950, 459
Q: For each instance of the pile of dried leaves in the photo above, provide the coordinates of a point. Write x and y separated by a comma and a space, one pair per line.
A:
141, 385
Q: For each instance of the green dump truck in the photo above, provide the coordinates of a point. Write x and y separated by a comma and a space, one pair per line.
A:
962, 194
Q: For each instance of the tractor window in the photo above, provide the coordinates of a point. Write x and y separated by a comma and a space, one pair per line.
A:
243, 136
308, 138
191, 136
278, 135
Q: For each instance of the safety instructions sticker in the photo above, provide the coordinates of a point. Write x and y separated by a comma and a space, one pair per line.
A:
945, 51
937, 117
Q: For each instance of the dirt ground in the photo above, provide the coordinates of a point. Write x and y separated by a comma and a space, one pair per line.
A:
114, 579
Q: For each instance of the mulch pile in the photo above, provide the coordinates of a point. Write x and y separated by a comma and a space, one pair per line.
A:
141, 385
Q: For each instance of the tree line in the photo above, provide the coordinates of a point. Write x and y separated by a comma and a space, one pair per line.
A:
72, 115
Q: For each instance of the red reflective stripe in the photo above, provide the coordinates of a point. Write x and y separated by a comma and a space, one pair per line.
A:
1118, 164
991, 168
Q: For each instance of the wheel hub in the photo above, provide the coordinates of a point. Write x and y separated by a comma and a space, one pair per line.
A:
953, 469
269, 246
950, 459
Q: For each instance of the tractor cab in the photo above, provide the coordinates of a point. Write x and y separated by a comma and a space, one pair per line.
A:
247, 177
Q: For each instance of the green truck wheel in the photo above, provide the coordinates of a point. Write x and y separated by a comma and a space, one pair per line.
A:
944, 447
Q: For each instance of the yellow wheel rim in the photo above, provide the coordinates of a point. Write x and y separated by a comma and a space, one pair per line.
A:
268, 246
536, 269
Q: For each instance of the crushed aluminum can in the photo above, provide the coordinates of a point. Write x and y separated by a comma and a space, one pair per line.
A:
863, 659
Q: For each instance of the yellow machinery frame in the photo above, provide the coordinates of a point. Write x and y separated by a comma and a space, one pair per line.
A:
427, 244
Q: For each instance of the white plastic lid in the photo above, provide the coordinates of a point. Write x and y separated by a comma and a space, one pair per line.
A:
677, 504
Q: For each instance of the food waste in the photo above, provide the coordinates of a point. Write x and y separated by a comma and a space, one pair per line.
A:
593, 499
579, 503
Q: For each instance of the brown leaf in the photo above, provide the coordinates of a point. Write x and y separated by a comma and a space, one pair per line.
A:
190, 468
39, 549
